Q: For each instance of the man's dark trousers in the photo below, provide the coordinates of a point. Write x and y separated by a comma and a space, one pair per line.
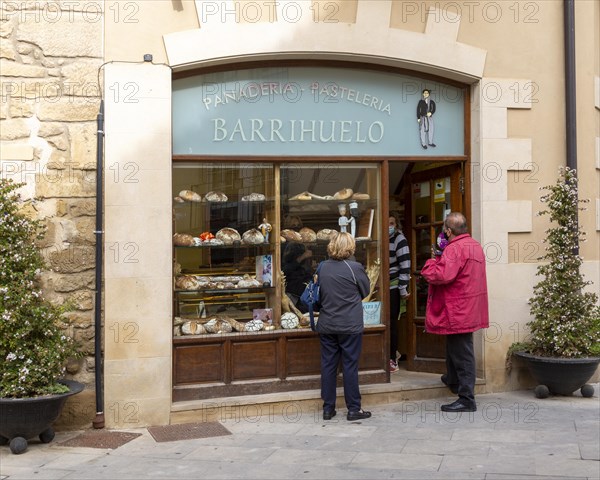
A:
460, 365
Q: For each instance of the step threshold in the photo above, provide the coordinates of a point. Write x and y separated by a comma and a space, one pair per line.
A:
404, 385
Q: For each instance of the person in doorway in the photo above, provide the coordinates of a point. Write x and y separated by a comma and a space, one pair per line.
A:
399, 279
297, 268
457, 305
343, 285
425, 111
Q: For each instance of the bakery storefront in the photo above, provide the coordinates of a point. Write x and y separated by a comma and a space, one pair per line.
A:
267, 161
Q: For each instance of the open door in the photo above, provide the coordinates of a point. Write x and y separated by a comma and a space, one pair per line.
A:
433, 194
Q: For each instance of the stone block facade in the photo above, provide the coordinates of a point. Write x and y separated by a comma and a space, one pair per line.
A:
50, 55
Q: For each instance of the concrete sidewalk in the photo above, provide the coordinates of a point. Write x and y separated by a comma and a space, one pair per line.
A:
511, 436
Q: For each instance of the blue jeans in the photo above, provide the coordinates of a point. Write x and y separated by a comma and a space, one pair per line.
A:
348, 348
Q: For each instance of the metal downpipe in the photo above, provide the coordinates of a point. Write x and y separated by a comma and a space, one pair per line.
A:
99, 368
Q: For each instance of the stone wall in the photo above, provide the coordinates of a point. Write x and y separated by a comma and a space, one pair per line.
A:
50, 53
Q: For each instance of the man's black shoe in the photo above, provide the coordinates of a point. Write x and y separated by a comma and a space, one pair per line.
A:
329, 415
358, 415
453, 388
458, 406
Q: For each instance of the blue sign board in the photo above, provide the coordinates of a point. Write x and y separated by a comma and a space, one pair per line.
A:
316, 112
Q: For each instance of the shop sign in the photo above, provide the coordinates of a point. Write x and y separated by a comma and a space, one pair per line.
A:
316, 111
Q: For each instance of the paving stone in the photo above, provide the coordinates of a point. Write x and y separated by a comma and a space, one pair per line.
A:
414, 433
437, 447
567, 467
402, 461
25, 473
373, 444
316, 457
222, 453
484, 464
563, 450
346, 429
492, 435
264, 427
589, 451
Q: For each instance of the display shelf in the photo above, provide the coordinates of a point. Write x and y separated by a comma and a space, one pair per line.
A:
329, 203
224, 291
223, 247
288, 332
324, 243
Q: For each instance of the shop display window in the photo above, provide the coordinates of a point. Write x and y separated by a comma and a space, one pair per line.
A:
317, 199
248, 236
223, 247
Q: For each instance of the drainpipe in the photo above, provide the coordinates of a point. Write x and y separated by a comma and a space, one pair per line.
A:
99, 370
570, 85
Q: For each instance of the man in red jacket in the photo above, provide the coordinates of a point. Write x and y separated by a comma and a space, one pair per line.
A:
457, 305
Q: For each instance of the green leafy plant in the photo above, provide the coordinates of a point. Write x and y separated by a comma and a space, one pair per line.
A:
33, 344
566, 319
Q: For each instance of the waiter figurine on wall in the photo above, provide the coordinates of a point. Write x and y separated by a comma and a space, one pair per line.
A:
343, 221
425, 111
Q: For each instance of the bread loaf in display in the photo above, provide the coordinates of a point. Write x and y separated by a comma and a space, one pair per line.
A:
214, 242
248, 282
343, 194
253, 237
308, 234
254, 326
228, 236
302, 196
253, 197
324, 234
218, 324
186, 282
291, 235
190, 196
192, 327
361, 196
289, 320
215, 197
183, 240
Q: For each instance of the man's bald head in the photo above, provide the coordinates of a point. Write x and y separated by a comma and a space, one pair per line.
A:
456, 222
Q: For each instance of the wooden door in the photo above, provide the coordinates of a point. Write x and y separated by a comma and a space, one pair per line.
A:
433, 194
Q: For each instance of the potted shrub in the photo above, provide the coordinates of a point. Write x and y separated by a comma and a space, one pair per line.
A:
563, 348
33, 344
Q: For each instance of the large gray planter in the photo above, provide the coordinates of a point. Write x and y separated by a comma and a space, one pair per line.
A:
561, 376
25, 418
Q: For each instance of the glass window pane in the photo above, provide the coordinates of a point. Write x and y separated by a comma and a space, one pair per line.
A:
441, 198
218, 211
421, 202
317, 199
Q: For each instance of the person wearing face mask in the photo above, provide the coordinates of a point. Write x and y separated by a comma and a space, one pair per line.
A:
399, 279
457, 305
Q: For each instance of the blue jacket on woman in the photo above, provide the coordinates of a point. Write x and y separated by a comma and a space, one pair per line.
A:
341, 298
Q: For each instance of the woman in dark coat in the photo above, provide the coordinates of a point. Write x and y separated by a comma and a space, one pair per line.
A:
344, 283
296, 266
